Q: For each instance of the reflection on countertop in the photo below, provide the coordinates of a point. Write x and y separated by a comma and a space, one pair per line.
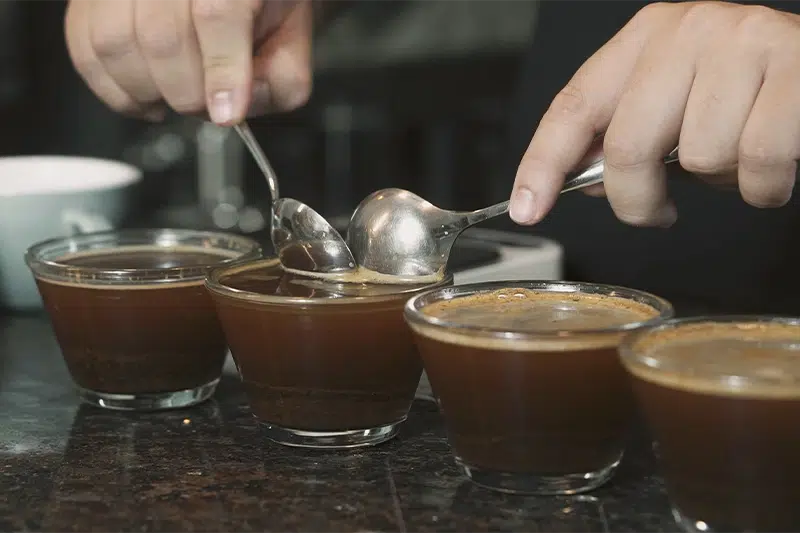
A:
65, 467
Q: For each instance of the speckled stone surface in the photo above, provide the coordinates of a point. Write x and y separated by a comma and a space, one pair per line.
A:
66, 467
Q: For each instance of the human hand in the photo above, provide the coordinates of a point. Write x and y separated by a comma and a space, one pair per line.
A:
195, 56
719, 80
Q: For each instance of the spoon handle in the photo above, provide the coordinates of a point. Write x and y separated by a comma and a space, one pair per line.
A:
260, 157
591, 175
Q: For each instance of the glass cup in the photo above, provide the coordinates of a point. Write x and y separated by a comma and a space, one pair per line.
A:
135, 324
528, 380
324, 364
722, 398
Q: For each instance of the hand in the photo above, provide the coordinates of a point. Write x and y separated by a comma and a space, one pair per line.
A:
722, 81
194, 56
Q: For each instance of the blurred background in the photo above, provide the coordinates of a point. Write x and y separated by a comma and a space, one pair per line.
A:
439, 97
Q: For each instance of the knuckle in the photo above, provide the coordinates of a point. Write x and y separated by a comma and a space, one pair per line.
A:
757, 153
159, 41
699, 162
110, 40
624, 153
214, 10
759, 19
570, 102
654, 11
758, 27
701, 16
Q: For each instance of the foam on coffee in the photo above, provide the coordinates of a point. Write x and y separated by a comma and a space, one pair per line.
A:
547, 314
139, 257
755, 360
270, 279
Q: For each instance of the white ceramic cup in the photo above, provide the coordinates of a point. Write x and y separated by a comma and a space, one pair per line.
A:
42, 197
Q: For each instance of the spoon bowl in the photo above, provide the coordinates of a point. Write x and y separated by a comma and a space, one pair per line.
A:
303, 240
396, 233
306, 242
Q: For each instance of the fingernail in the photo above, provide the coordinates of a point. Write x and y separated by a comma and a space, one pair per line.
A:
221, 108
523, 206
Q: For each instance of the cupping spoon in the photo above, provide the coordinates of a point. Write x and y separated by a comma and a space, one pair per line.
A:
394, 232
303, 239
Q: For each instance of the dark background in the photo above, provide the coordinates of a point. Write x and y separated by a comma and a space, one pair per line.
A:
440, 97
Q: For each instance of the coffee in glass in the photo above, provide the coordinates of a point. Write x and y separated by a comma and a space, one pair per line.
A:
135, 324
722, 398
325, 363
528, 380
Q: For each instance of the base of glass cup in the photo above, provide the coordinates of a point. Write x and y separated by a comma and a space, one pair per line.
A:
151, 401
535, 484
331, 439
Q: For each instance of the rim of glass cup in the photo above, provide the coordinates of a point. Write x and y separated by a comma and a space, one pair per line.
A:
632, 357
214, 284
43, 257
415, 315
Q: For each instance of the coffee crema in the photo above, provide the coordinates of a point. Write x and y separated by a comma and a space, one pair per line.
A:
738, 359
528, 311
271, 279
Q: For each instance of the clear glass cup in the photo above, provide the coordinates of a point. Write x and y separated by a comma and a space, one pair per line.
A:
721, 396
320, 372
532, 408
135, 324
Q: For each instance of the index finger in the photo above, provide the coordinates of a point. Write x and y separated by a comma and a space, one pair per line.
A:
225, 34
579, 113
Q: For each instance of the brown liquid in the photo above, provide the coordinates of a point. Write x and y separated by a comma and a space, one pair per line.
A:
729, 452
549, 407
138, 338
335, 364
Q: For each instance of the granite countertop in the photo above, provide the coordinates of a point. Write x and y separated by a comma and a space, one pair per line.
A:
67, 467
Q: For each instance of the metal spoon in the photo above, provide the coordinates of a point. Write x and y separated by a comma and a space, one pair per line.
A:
302, 238
396, 233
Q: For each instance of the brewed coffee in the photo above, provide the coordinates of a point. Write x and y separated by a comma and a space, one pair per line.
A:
722, 400
324, 363
530, 383
136, 338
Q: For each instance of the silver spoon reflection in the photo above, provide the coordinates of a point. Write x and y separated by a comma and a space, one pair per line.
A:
303, 240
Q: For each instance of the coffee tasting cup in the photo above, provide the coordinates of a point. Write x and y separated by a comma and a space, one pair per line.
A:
325, 363
531, 389
43, 196
135, 324
721, 396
